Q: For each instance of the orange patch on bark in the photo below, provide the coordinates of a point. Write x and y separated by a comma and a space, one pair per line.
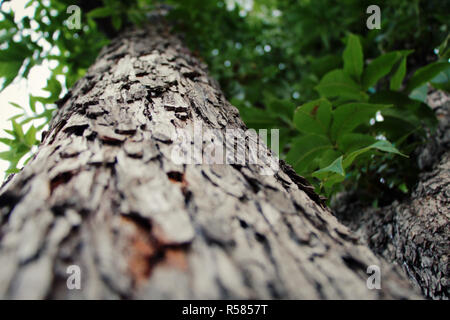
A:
176, 257
178, 177
141, 251
149, 248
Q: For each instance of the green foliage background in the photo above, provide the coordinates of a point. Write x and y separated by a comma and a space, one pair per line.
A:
349, 102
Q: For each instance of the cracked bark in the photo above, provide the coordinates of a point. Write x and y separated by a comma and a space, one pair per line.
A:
103, 193
415, 233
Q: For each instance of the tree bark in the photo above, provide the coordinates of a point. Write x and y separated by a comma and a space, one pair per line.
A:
415, 233
104, 193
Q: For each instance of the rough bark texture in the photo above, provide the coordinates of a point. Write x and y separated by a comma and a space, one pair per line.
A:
103, 193
415, 233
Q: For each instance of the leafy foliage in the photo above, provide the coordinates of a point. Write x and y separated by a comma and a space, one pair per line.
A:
348, 131
29, 42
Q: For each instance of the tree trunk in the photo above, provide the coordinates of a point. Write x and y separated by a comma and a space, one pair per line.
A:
415, 233
104, 193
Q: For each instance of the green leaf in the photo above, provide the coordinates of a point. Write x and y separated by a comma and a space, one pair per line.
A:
395, 129
398, 76
379, 67
382, 145
54, 88
353, 57
30, 136
396, 98
258, 118
444, 50
320, 66
43, 100
327, 157
117, 21
352, 141
12, 170
349, 116
334, 167
15, 105
15, 117
8, 142
402, 114
9, 71
101, 12
17, 129
278, 107
313, 117
425, 74
11, 60
403, 188
386, 146
442, 81
7, 156
330, 181
420, 93
15, 52
337, 83
306, 151
410, 110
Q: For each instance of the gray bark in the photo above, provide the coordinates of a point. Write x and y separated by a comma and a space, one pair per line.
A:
103, 193
415, 233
